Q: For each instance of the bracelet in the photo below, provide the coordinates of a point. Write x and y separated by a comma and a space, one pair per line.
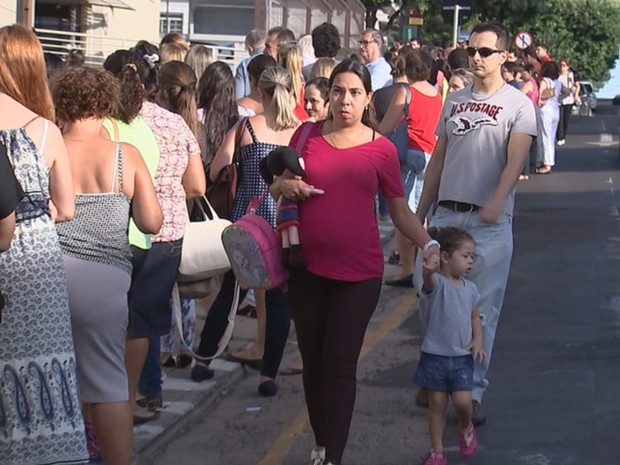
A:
430, 244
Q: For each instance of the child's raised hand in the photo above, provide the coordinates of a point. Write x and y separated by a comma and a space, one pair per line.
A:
431, 264
477, 351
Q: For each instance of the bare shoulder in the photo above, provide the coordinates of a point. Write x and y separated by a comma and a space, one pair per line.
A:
130, 153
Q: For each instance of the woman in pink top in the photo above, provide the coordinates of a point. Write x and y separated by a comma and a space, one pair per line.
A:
422, 118
531, 90
333, 298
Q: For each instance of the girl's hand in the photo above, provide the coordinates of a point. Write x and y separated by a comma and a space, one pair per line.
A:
476, 351
431, 264
296, 189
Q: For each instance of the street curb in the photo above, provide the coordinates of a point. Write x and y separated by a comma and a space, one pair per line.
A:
150, 437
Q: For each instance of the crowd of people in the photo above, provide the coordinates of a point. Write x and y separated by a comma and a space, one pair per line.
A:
100, 164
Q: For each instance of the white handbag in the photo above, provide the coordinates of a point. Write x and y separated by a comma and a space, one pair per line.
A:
203, 255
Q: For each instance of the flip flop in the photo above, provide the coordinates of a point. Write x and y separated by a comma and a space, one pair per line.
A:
405, 281
291, 371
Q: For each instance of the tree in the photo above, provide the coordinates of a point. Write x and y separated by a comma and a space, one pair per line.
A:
586, 32
372, 7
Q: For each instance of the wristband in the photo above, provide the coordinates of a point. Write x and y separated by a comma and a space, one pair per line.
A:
429, 244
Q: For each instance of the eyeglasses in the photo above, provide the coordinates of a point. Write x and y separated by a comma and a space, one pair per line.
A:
367, 42
484, 52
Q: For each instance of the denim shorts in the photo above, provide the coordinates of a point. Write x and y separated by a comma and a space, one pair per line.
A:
446, 374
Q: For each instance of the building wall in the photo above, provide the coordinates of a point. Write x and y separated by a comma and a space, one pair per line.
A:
8, 15
131, 25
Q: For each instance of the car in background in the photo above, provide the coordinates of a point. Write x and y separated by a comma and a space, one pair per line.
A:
587, 95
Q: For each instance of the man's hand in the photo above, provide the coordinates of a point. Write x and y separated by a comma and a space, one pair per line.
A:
490, 212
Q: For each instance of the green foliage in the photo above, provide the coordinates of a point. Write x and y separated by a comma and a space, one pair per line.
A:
586, 32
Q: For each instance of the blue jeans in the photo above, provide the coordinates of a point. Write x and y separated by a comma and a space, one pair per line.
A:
412, 176
150, 379
492, 258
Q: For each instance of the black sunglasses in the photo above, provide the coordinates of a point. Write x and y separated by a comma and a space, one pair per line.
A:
484, 52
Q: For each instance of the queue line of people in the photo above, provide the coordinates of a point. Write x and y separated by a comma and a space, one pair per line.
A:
182, 134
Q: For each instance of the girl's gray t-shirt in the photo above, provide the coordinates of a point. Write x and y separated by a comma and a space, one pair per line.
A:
447, 311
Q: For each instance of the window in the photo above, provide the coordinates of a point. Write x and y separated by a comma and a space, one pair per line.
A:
170, 23
234, 19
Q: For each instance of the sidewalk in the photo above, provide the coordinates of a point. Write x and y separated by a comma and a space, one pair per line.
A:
181, 395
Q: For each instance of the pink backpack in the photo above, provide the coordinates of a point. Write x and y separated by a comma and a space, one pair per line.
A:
255, 250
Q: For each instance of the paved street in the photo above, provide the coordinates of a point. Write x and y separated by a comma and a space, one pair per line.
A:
555, 371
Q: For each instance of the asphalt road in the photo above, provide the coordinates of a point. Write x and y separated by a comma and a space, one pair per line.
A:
553, 398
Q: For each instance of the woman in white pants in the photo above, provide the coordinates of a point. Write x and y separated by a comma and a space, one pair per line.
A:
549, 102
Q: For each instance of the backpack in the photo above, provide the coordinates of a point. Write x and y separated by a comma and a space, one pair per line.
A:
255, 250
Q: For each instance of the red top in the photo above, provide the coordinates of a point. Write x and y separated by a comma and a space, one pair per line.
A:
300, 109
424, 113
338, 232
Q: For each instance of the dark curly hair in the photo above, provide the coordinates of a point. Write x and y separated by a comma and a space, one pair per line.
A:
131, 71
81, 93
325, 40
150, 54
216, 95
449, 237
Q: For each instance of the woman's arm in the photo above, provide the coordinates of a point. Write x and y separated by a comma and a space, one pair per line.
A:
225, 154
395, 112
145, 208
7, 228
61, 181
194, 180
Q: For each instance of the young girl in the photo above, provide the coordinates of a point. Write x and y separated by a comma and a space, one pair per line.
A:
453, 339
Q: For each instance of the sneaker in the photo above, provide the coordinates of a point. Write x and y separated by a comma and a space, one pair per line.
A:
421, 398
561, 142
317, 457
436, 459
468, 442
478, 417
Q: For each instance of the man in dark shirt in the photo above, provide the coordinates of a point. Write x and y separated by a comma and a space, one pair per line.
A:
10, 195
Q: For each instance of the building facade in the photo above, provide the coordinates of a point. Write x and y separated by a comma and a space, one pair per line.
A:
96, 27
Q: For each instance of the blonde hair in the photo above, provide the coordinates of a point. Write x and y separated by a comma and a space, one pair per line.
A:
322, 68
276, 83
23, 76
289, 56
171, 52
199, 57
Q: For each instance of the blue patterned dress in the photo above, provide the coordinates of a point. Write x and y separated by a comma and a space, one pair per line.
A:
40, 413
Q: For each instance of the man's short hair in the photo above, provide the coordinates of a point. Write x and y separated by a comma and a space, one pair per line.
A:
325, 40
284, 35
498, 29
376, 35
458, 59
255, 38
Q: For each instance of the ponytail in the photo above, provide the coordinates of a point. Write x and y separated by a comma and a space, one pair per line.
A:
132, 94
290, 57
276, 83
186, 106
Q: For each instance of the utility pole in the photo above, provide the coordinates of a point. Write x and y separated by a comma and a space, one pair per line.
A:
25, 13
455, 25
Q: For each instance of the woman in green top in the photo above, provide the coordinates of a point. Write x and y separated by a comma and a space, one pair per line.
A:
127, 126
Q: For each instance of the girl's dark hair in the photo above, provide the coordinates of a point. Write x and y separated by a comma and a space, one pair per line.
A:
550, 69
216, 95
418, 66
258, 64
131, 71
449, 237
322, 84
177, 92
52, 63
150, 54
352, 65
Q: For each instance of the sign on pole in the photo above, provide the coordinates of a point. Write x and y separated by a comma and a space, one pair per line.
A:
523, 40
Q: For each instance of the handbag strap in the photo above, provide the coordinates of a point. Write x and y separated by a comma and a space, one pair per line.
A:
224, 340
407, 102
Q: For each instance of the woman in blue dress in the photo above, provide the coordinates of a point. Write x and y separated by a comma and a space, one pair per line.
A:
40, 413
